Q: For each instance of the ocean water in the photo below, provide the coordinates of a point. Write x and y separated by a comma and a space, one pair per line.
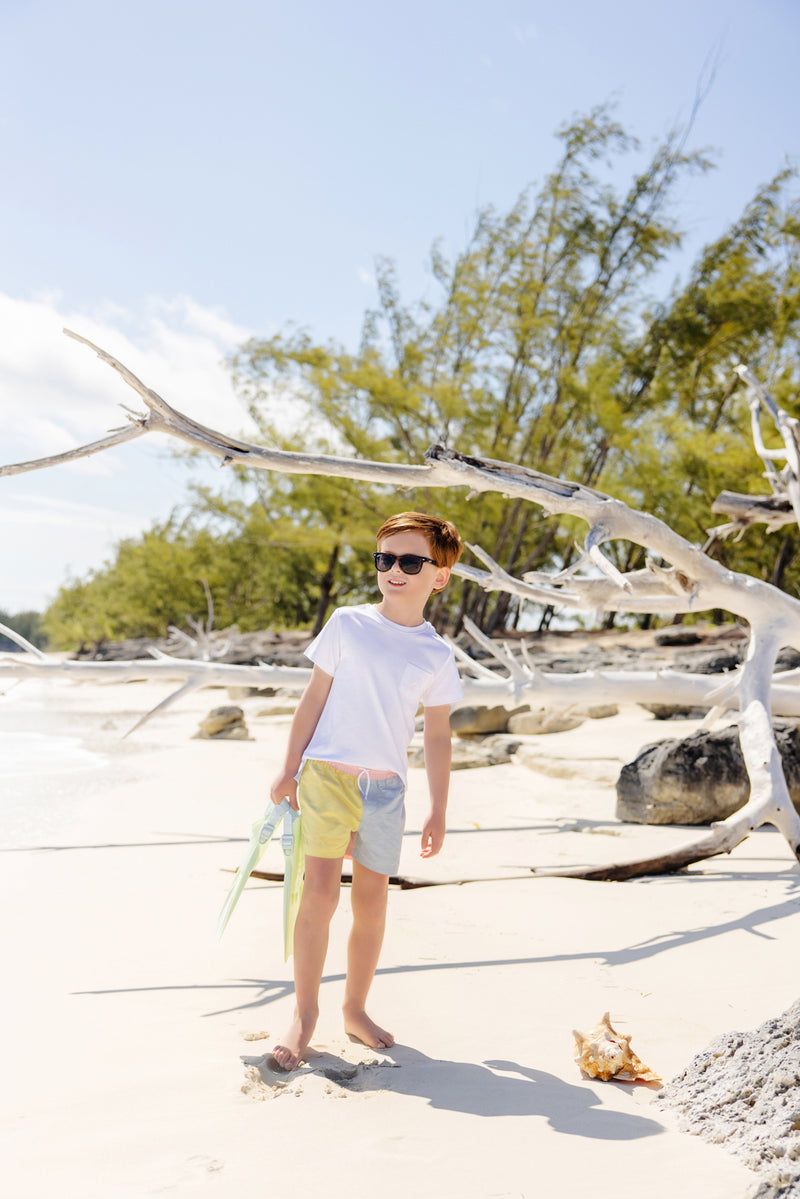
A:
31, 754
46, 768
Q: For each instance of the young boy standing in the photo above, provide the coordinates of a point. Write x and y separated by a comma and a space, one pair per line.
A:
373, 666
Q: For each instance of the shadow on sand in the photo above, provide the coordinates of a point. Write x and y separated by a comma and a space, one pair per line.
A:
493, 1088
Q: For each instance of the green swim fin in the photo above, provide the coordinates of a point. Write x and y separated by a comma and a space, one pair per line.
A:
260, 838
293, 873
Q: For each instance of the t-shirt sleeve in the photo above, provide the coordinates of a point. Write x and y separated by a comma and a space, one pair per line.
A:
325, 650
445, 687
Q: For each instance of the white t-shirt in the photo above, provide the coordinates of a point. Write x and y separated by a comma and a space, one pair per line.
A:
381, 672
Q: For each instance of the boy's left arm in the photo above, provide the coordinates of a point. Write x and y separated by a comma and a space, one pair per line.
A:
437, 768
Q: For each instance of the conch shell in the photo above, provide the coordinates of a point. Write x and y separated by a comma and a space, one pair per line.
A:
604, 1053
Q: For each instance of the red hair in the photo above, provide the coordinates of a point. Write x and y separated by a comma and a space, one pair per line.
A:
442, 535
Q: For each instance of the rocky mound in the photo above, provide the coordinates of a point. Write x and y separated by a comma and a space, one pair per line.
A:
743, 1092
699, 778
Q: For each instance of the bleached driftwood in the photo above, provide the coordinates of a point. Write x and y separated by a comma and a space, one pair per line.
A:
783, 506
774, 619
162, 418
521, 681
755, 733
774, 511
195, 673
692, 582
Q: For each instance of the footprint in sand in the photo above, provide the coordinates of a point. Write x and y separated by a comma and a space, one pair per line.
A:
264, 1080
355, 1078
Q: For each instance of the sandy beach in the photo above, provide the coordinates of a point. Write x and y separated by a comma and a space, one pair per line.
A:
134, 1058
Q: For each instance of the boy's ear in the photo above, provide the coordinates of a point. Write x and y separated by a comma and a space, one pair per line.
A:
442, 577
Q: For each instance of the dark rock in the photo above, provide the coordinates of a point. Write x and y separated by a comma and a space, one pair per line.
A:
698, 779
597, 711
743, 1092
674, 712
544, 720
621, 657
488, 751
714, 661
471, 720
223, 724
678, 636
788, 659
573, 664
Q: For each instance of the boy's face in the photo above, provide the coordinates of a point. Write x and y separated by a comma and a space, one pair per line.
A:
415, 589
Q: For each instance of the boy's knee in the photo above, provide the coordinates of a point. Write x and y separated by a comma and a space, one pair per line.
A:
322, 896
369, 906
367, 916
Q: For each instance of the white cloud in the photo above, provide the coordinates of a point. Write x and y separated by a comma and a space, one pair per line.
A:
55, 394
213, 323
55, 512
47, 538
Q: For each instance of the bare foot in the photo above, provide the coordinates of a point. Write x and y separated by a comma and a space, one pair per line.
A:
359, 1027
289, 1052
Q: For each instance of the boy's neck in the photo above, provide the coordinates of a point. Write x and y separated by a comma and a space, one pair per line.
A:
400, 613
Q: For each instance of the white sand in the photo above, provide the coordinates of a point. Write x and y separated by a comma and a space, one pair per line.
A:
125, 1056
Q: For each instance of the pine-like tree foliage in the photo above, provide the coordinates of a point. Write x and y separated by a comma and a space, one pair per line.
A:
540, 345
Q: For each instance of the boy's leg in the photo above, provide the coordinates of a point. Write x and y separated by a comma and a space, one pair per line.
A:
318, 903
369, 898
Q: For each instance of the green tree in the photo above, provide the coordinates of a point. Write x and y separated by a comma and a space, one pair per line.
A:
542, 349
257, 577
692, 436
522, 357
329, 523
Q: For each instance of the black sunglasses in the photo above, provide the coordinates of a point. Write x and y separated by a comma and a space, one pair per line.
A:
410, 564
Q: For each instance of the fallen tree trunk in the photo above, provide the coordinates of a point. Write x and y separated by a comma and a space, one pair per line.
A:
615, 872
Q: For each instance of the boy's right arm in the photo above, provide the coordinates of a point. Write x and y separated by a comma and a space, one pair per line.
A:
306, 719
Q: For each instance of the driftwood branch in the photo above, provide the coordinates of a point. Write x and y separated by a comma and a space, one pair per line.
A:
655, 589
194, 673
617, 872
405, 882
161, 417
519, 680
684, 580
783, 506
774, 511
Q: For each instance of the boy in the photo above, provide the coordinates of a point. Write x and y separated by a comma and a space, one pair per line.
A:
373, 665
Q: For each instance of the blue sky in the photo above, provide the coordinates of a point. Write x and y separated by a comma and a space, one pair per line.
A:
178, 176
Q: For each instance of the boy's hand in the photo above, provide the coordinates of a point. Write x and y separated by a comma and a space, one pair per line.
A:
285, 787
432, 836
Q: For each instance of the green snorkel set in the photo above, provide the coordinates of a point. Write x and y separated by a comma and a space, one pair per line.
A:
293, 869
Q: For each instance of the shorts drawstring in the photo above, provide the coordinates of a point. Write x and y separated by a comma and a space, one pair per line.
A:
367, 780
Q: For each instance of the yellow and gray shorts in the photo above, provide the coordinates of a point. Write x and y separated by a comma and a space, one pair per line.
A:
334, 805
